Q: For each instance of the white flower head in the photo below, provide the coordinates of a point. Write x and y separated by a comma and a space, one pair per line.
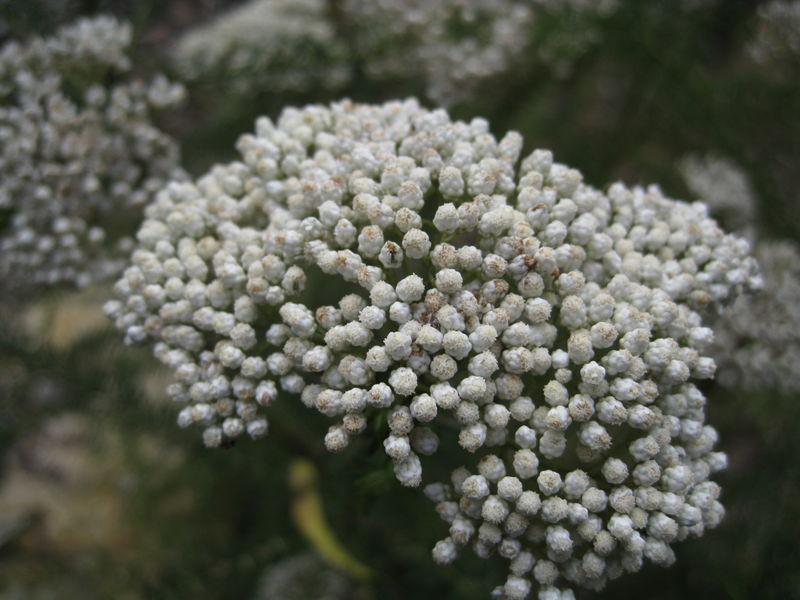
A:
286, 45
78, 155
776, 42
454, 46
757, 340
537, 323
723, 186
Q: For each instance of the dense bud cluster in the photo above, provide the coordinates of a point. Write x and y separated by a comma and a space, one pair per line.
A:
385, 262
280, 45
78, 156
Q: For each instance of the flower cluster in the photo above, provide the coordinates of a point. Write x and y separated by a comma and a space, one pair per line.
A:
450, 46
722, 186
78, 156
456, 44
777, 37
758, 346
385, 262
300, 577
279, 45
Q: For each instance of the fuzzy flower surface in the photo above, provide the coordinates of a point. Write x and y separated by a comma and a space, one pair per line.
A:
386, 262
77, 156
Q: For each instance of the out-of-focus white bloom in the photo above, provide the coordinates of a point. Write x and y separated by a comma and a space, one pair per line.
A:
456, 44
301, 577
449, 47
76, 156
757, 338
278, 45
723, 186
459, 43
777, 36
757, 345
387, 262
